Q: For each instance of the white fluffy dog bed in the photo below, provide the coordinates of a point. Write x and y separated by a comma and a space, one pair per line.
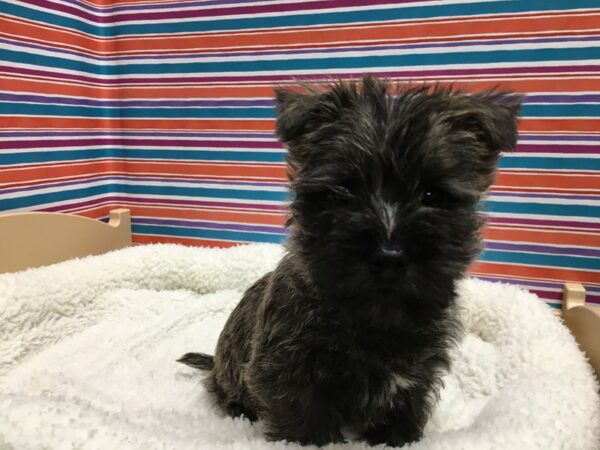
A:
88, 349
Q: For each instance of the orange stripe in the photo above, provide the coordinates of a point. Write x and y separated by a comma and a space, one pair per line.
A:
542, 180
137, 124
537, 273
195, 169
542, 237
559, 124
149, 162
17, 28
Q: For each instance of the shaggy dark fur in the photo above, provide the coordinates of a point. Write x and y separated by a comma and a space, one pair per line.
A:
351, 331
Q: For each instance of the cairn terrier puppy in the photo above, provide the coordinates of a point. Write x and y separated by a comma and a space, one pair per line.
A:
352, 330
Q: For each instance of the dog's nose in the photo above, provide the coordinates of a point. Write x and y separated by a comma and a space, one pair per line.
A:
389, 257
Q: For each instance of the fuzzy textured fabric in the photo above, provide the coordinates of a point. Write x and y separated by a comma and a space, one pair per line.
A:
88, 349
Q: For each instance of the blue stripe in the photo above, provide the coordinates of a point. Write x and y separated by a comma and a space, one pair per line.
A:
204, 233
545, 260
40, 199
541, 209
297, 20
37, 109
548, 162
34, 109
550, 110
359, 62
36, 15
136, 153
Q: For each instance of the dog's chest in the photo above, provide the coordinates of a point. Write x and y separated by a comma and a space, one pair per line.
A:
371, 401
383, 391
381, 373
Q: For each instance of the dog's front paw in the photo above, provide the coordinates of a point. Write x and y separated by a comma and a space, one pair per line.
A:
394, 436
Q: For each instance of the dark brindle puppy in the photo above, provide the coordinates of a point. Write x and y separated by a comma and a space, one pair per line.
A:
353, 327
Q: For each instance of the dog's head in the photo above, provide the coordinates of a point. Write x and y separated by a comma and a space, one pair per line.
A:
386, 181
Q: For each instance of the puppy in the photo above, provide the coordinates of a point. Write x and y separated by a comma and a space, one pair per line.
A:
351, 331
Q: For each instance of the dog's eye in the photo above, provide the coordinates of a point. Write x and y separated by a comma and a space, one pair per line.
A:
432, 197
342, 191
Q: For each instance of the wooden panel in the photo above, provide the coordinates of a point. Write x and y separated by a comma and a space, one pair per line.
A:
34, 239
584, 322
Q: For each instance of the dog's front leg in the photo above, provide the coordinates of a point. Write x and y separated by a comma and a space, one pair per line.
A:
294, 400
303, 419
403, 423
398, 429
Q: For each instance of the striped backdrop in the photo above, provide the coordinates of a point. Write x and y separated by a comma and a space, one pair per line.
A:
165, 107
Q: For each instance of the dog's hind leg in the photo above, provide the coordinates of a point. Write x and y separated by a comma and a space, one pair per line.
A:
234, 401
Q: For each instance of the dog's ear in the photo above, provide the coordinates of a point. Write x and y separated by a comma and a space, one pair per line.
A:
493, 118
299, 113
295, 112
490, 119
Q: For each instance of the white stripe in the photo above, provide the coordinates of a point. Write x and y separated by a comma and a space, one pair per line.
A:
529, 252
144, 176
126, 136
41, 102
551, 201
544, 217
553, 171
552, 155
499, 189
559, 142
238, 149
149, 99
548, 171
583, 247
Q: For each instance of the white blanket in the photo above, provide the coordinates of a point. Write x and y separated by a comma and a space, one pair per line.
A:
88, 349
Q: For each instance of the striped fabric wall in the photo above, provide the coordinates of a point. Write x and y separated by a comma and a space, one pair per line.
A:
165, 107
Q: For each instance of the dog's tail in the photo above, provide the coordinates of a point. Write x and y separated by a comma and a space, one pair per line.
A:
198, 360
